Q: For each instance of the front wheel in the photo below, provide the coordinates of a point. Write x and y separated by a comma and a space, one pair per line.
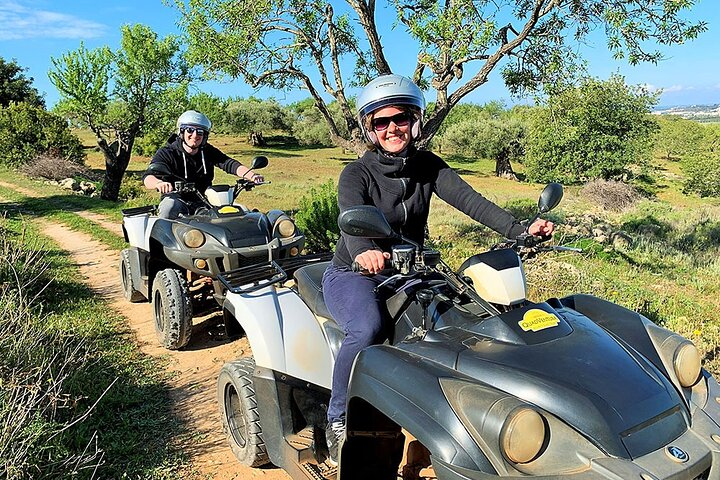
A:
172, 309
240, 418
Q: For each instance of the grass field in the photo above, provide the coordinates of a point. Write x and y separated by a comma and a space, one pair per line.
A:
672, 277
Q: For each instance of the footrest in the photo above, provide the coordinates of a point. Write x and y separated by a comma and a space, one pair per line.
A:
320, 471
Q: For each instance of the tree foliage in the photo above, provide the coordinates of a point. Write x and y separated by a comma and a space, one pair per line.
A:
28, 130
247, 115
290, 44
678, 137
15, 87
701, 163
596, 130
309, 127
487, 131
120, 95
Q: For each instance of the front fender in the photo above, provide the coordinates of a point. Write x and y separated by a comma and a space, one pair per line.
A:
405, 388
284, 334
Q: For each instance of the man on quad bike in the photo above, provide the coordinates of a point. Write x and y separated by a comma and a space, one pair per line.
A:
399, 180
188, 155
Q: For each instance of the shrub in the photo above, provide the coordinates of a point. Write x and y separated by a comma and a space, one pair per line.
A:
55, 168
131, 187
27, 130
317, 218
610, 194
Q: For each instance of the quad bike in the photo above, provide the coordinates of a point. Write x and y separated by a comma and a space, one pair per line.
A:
489, 383
175, 263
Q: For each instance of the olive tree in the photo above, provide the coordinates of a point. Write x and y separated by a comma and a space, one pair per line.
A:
119, 95
600, 129
15, 87
307, 44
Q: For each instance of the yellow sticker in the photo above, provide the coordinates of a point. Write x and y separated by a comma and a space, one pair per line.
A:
228, 209
537, 320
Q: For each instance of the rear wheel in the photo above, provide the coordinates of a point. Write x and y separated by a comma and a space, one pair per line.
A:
240, 418
172, 309
131, 293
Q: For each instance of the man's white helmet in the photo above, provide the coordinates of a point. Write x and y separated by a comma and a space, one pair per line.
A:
191, 118
387, 90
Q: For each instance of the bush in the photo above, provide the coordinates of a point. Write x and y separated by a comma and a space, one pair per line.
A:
317, 218
55, 168
27, 131
610, 194
131, 187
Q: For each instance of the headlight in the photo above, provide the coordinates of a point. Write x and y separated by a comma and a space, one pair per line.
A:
193, 238
285, 228
523, 435
686, 363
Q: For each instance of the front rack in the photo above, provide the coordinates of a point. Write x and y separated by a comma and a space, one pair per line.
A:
254, 277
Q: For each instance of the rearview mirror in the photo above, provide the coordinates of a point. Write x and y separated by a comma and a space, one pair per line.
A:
550, 197
260, 161
365, 221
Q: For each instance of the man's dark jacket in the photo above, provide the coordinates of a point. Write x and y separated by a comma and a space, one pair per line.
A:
202, 175
401, 187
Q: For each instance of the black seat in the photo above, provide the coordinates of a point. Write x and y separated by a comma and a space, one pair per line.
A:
309, 284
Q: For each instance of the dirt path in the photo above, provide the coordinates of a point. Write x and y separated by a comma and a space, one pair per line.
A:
195, 368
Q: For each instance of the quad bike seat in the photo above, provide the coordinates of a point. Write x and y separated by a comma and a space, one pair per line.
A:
309, 284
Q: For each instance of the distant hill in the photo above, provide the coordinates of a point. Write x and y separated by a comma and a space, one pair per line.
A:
701, 113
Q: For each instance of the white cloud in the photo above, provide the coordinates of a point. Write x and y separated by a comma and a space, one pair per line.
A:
20, 22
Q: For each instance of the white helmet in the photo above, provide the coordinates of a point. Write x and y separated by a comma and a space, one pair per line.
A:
191, 118
390, 90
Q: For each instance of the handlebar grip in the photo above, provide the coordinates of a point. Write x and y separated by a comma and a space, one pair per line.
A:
355, 267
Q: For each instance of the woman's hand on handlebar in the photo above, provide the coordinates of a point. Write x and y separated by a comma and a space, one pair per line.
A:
164, 187
541, 228
372, 261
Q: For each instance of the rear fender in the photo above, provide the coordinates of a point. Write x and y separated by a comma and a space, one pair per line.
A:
405, 389
283, 333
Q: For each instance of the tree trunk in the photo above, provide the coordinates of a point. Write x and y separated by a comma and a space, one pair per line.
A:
116, 162
257, 140
503, 168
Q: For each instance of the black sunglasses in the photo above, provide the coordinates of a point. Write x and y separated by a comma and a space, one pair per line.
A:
382, 123
200, 132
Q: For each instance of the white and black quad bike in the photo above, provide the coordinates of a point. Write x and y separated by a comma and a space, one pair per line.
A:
490, 384
175, 263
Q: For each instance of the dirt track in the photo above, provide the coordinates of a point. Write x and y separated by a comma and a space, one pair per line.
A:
196, 367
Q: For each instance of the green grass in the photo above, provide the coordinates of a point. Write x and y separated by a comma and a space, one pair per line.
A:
131, 427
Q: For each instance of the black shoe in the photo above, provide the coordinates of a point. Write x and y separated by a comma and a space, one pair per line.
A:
334, 436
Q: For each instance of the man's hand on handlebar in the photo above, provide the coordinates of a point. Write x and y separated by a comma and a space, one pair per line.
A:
372, 261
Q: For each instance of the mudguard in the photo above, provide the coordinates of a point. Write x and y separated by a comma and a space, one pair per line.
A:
295, 345
138, 262
405, 388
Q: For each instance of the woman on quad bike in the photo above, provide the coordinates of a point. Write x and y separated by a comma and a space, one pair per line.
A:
398, 179
190, 158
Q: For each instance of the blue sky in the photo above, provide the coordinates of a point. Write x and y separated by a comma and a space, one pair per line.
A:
33, 31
